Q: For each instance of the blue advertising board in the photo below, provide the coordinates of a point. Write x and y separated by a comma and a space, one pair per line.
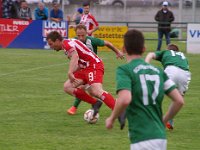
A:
29, 34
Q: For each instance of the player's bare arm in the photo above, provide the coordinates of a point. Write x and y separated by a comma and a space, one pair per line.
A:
177, 103
123, 100
119, 54
149, 57
93, 30
73, 65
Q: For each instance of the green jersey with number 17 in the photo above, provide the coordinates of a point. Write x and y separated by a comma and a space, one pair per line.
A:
147, 84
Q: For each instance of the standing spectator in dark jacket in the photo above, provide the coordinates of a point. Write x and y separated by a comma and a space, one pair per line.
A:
24, 11
41, 12
164, 17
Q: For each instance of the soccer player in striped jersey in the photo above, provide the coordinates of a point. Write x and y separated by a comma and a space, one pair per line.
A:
176, 67
85, 68
92, 43
140, 89
89, 20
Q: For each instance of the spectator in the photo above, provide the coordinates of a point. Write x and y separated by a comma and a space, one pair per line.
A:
15, 9
88, 20
6, 8
164, 17
56, 14
1, 8
24, 11
41, 12
77, 16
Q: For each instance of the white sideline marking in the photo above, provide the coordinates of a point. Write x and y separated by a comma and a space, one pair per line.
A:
32, 69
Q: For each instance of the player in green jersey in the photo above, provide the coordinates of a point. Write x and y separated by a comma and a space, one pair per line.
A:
92, 43
140, 89
176, 67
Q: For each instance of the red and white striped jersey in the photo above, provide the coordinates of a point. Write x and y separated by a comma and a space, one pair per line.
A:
86, 57
89, 21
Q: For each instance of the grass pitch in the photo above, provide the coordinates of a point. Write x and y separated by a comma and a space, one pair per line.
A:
33, 106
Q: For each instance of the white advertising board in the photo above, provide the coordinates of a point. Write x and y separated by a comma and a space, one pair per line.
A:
193, 38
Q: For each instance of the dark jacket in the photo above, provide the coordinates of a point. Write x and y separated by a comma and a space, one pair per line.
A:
1, 8
15, 10
164, 20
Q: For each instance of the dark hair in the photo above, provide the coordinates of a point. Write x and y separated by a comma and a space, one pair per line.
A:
80, 26
22, 1
86, 3
55, 2
173, 47
134, 42
54, 35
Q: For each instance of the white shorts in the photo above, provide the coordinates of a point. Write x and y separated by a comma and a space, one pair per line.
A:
180, 77
155, 144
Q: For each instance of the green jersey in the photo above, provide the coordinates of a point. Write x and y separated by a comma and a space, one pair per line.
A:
148, 84
170, 57
92, 43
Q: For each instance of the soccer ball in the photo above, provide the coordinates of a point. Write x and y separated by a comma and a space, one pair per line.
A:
88, 116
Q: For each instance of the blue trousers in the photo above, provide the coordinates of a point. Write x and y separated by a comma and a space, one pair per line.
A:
160, 36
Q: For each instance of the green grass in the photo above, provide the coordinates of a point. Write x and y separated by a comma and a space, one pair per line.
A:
33, 105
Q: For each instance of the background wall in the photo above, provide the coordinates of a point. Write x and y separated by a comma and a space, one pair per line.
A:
137, 14
131, 14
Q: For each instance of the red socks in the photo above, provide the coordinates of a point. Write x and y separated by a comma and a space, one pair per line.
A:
81, 94
105, 97
108, 100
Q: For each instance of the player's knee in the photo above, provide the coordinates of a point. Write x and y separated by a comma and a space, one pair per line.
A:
92, 92
66, 88
96, 92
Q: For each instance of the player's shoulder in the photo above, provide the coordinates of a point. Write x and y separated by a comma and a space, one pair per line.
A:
66, 40
68, 43
90, 15
161, 52
91, 38
70, 40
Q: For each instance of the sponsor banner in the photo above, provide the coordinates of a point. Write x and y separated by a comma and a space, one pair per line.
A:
10, 29
49, 26
16, 33
30, 38
71, 33
193, 38
113, 34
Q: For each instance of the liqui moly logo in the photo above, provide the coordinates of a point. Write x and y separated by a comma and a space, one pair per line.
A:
49, 26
